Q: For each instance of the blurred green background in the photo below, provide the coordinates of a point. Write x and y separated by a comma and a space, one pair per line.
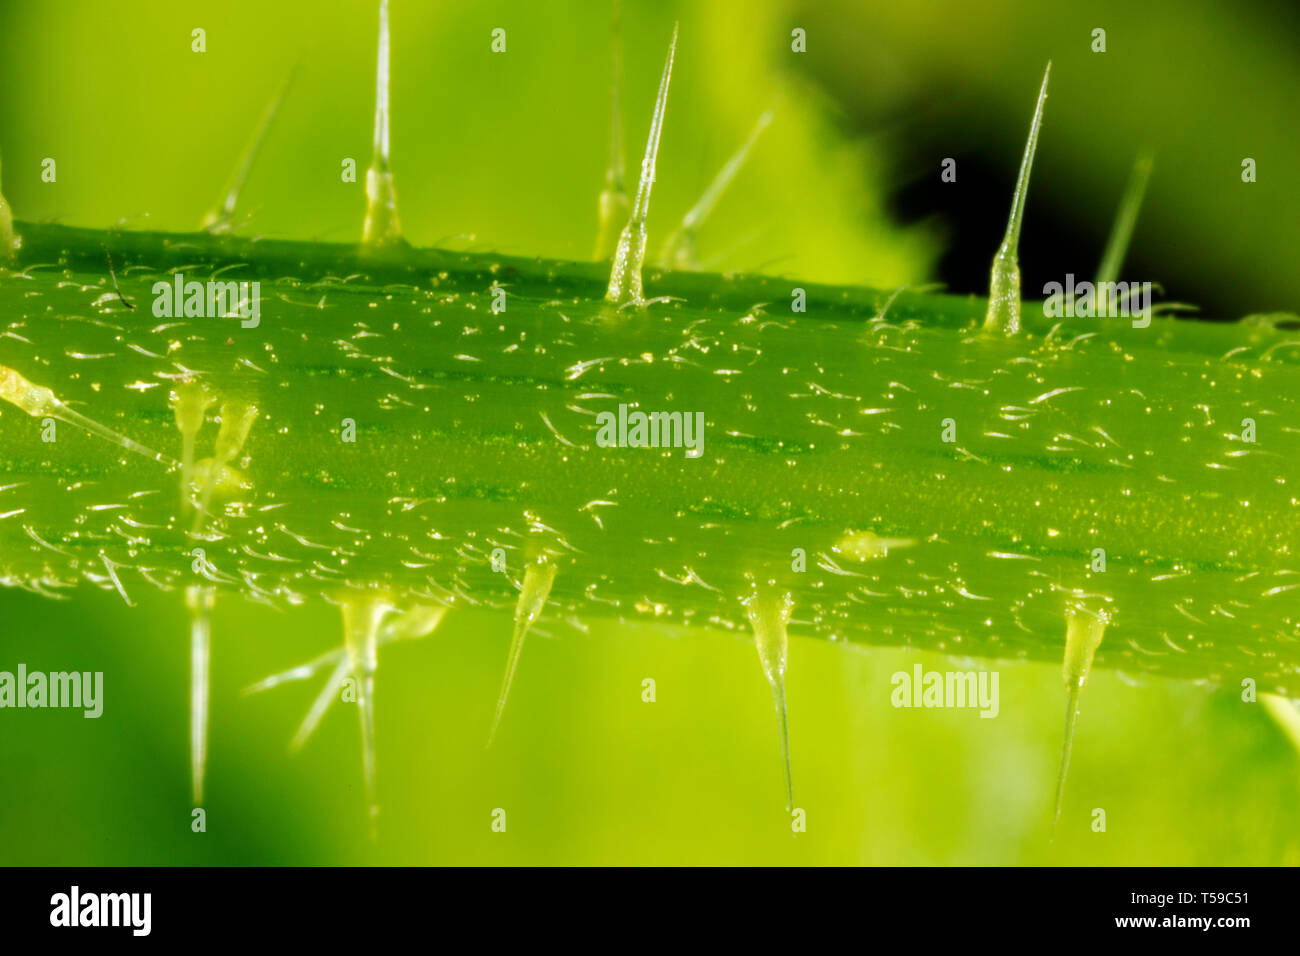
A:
506, 152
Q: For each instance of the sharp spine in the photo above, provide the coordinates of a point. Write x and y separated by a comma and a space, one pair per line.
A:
362, 618
1121, 233
769, 611
539, 576
381, 226
625, 281
1004, 282
679, 250
417, 622
38, 401
1084, 630
329, 693
199, 600
221, 220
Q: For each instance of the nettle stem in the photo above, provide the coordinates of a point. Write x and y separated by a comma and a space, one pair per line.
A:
405, 433
429, 424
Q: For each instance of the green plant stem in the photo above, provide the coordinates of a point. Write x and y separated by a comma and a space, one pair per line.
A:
476, 430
